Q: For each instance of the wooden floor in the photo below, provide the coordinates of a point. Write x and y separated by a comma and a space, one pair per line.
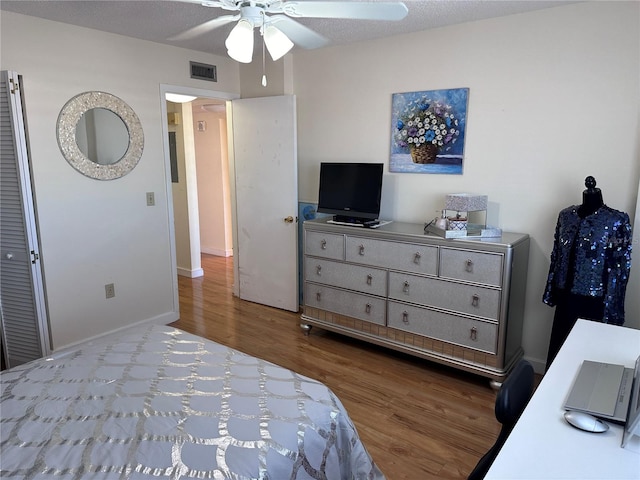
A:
419, 420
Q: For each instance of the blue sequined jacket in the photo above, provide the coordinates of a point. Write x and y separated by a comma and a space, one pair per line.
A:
591, 256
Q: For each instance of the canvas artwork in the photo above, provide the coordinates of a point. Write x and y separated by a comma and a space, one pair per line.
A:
427, 131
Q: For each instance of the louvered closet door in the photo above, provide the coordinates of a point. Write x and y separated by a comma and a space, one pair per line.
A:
25, 331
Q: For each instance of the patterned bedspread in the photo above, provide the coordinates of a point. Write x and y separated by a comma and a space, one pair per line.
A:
156, 402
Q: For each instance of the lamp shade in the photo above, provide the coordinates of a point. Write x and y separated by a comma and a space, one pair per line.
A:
466, 202
239, 43
277, 42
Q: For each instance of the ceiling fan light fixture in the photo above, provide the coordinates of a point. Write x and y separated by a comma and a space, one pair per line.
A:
239, 43
277, 42
241, 56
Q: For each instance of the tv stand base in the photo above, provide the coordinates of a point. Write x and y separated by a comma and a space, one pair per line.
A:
353, 222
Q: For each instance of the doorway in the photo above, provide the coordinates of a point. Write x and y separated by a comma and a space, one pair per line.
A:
262, 155
197, 135
183, 177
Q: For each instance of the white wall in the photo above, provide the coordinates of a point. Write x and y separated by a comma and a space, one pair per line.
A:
632, 307
212, 165
185, 194
554, 97
92, 232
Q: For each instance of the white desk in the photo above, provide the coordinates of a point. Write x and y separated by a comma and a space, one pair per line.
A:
543, 445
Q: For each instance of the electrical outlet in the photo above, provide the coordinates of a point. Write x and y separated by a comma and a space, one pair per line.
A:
151, 199
110, 290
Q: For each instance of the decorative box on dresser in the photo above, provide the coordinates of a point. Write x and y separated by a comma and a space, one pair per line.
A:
457, 301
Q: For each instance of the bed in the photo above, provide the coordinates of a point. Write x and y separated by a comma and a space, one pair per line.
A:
157, 402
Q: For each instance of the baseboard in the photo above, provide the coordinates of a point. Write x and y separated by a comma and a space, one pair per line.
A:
162, 319
216, 251
538, 365
184, 272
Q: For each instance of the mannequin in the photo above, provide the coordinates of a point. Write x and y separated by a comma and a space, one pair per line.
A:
591, 198
590, 265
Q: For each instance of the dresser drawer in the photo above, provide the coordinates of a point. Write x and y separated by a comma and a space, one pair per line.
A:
354, 277
464, 298
443, 326
471, 266
352, 304
325, 245
394, 255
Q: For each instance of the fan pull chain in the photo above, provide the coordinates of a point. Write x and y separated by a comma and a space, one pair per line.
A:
264, 74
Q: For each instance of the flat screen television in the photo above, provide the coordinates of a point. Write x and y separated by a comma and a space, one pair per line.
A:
351, 191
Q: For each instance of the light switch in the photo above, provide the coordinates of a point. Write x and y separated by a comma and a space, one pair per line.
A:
151, 199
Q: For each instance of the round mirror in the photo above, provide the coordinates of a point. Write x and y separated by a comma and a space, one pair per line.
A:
100, 135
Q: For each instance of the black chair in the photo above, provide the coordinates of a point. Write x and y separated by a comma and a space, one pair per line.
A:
513, 396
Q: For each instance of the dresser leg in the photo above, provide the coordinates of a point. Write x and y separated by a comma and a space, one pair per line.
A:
495, 384
306, 329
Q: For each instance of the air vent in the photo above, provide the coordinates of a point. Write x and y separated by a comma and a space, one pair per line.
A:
202, 71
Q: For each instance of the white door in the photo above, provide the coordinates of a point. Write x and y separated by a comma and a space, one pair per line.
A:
266, 199
24, 325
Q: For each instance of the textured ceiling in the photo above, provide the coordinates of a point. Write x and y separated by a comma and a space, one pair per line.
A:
158, 20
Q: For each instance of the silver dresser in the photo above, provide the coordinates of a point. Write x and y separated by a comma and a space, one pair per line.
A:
458, 301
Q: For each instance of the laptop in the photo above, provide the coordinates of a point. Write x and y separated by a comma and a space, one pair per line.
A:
632, 427
602, 390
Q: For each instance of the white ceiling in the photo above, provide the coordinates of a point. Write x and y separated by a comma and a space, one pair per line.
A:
158, 20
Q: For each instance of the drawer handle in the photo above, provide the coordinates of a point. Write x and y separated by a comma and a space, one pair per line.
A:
318, 269
475, 300
323, 244
369, 279
405, 287
361, 249
367, 308
405, 317
318, 296
469, 266
473, 334
416, 258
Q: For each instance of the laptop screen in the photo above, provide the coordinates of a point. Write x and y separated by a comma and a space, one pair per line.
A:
632, 426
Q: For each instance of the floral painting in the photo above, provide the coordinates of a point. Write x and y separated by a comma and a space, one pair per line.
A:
427, 131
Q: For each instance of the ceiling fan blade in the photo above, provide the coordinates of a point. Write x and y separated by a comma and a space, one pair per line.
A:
205, 27
299, 34
225, 4
355, 10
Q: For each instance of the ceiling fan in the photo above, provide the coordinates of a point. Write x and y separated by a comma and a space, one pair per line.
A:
276, 24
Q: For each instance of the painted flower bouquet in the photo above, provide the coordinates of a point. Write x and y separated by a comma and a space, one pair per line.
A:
426, 127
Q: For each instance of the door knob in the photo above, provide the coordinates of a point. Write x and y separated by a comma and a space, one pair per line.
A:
289, 219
